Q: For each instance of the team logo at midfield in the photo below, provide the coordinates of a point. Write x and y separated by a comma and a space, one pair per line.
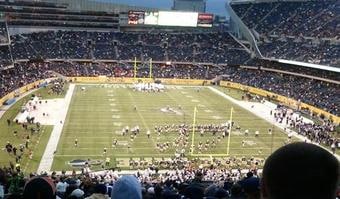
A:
82, 163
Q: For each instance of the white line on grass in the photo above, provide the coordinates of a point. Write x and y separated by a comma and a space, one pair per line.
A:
35, 147
47, 158
117, 155
142, 118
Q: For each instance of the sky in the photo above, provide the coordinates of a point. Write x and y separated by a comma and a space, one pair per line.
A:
213, 6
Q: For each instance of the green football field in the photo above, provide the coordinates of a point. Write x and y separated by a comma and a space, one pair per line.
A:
97, 116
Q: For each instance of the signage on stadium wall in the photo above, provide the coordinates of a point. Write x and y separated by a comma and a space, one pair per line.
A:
170, 18
186, 19
205, 20
285, 100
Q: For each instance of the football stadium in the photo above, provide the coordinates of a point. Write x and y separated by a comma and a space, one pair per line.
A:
115, 99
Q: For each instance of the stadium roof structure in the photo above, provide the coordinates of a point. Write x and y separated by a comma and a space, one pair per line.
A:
263, 1
91, 5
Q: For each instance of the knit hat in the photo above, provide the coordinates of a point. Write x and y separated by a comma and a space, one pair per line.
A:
39, 188
100, 188
127, 187
77, 193
251, 184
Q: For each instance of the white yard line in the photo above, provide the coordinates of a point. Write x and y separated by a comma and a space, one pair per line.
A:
263, 112
47, 159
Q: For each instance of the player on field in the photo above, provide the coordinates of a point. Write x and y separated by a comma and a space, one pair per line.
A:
114, 143
104, 151
76, 142
148, 133
246, 132
270, 131
257, 133
107, 161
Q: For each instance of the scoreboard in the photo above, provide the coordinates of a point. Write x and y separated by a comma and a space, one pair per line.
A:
170, 18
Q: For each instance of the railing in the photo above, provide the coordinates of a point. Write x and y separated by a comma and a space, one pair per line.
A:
241, 30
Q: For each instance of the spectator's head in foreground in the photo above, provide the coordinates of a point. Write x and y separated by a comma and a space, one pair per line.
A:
300, 171
127, 187
39, 188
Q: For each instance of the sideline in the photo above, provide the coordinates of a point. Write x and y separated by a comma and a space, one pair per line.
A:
263, 111
47, 158
5, 108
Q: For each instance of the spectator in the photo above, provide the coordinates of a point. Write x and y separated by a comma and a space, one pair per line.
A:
298, 171
100, 192
39, 188
195, 189
127, 187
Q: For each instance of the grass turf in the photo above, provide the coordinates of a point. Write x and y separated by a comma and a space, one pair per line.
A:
37, 142
97, 115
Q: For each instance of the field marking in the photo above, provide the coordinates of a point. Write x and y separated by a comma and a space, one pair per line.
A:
115, 116
208, 111
117, 124
35, 146
112, 100
46, 161
189, 96
201, 105
173, 148
114, 110
195, 100
143, 120
113, 104
217, 117
116, 85
119, 155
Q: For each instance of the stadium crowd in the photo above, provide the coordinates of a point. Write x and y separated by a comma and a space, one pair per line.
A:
189, 182
297, 30
184, 47
324, 133
314, 92
214, 47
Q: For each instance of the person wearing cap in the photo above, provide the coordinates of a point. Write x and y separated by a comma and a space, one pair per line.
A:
127, 187
100, 192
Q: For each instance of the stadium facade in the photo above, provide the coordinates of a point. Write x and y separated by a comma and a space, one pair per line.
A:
190, 5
